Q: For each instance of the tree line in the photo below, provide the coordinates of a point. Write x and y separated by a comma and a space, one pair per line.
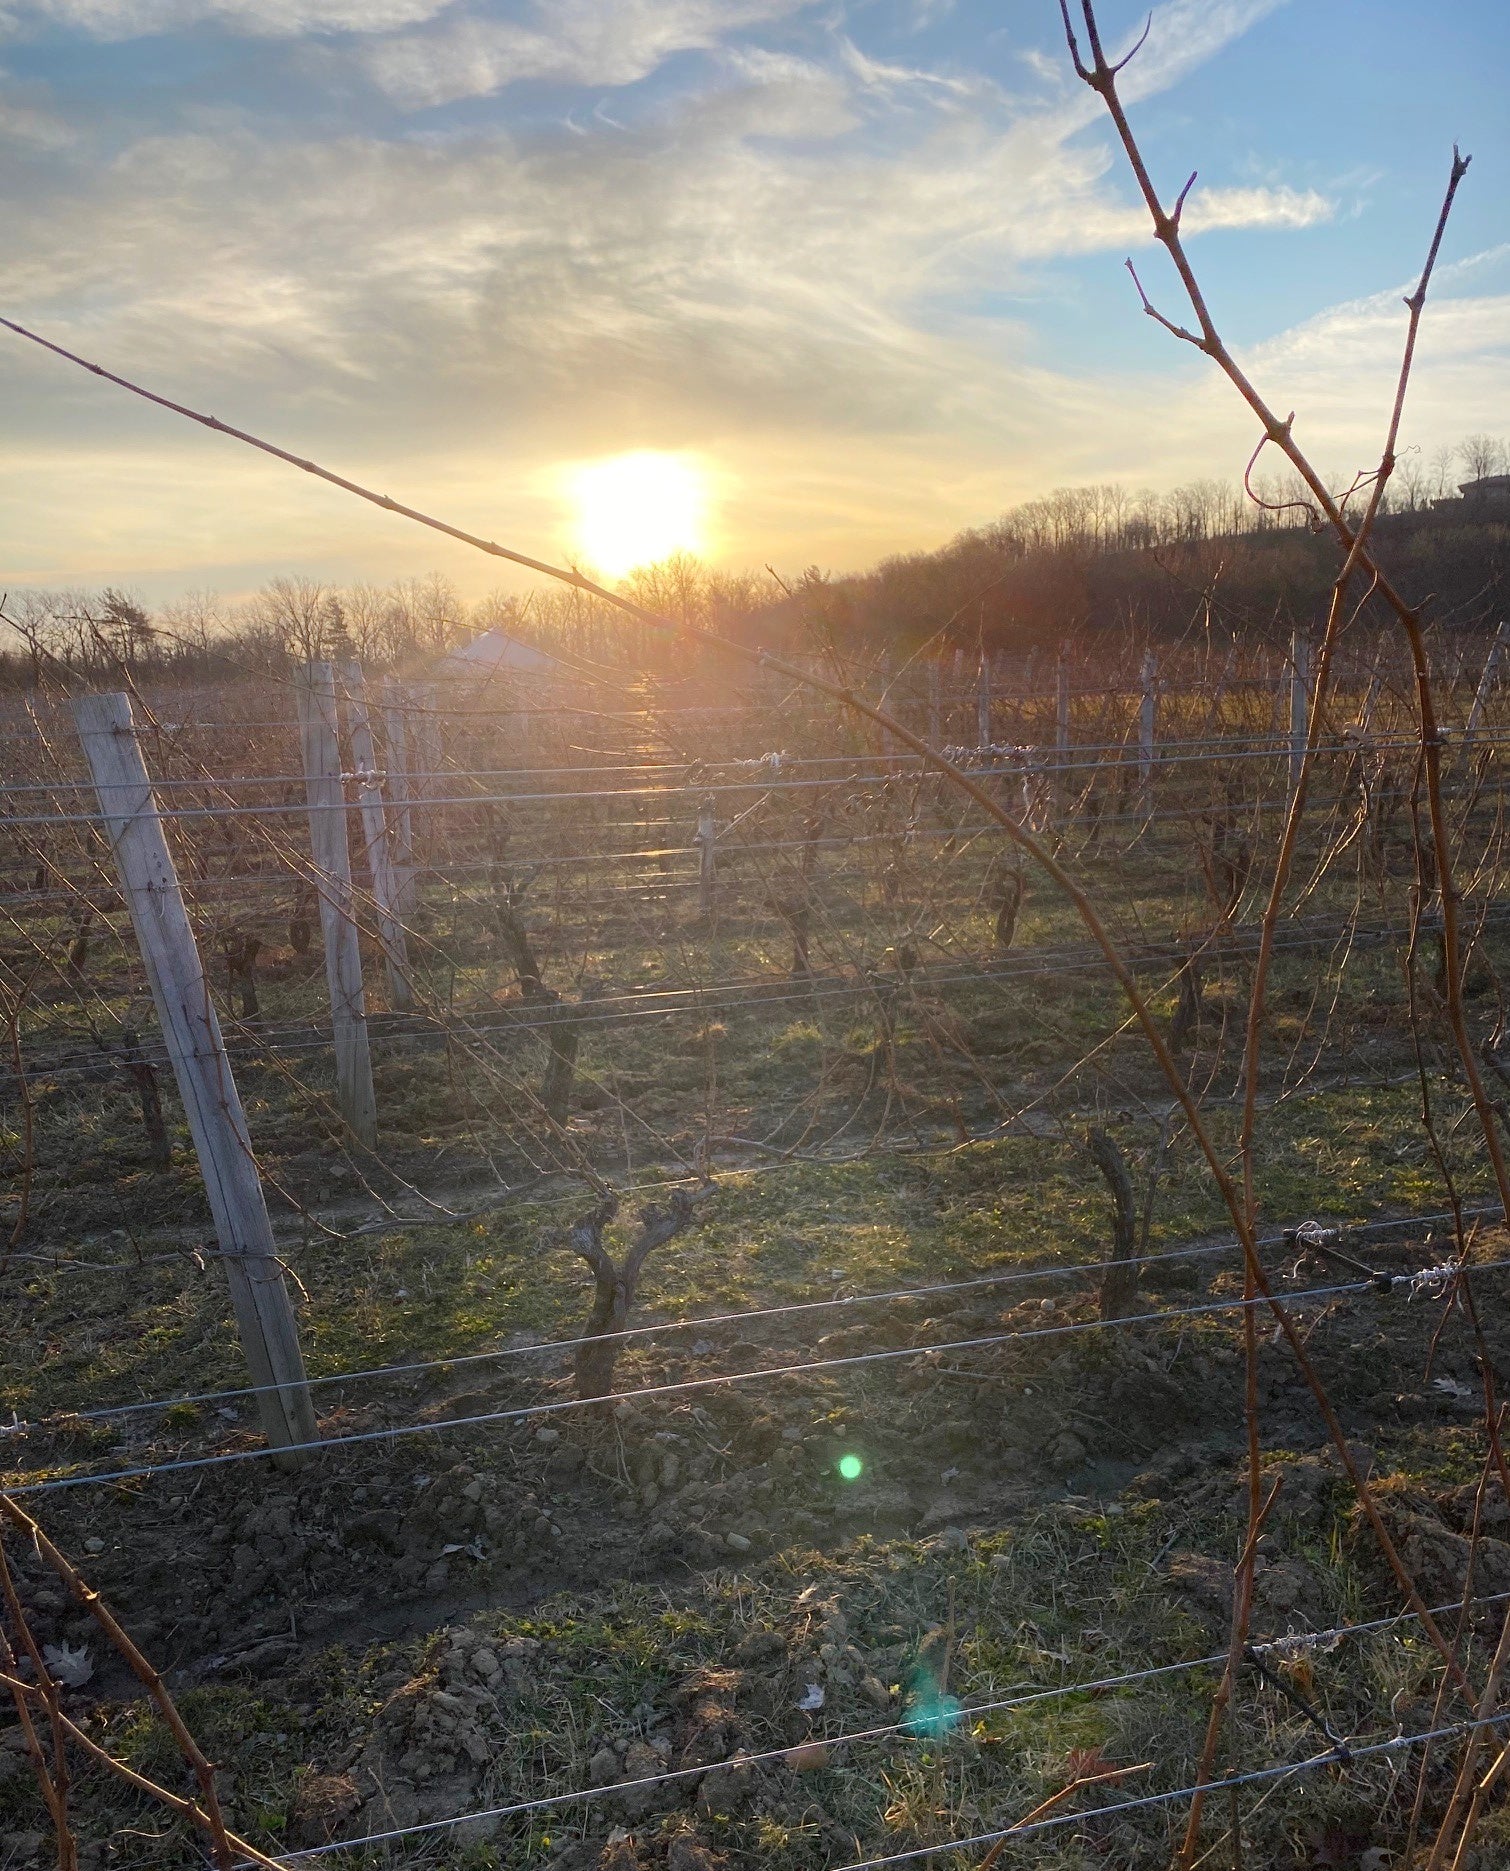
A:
1231, 557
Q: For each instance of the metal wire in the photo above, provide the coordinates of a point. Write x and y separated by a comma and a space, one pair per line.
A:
1045, 757
722, 997
1004, 1277
547, 1347
685, 1387
1343, 1756
969, 1708
1014, 770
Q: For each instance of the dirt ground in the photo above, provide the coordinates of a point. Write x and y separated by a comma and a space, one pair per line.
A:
405, 1631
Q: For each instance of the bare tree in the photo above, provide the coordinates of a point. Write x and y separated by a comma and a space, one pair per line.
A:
295, 612
1481, 456
1443, 465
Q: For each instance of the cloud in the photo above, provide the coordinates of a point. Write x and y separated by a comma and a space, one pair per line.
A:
119, 20
1184, 35
1081, 219
774, 268
880, 75
1338, 368
587, 42
738, 258
27, 121
1212, 208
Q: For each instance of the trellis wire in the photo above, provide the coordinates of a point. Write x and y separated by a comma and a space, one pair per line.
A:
1005, 1277
723, 1380
969, 1708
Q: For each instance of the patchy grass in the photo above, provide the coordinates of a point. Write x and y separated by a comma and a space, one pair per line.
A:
1007, 1618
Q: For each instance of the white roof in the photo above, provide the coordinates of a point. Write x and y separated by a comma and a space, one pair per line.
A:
495, 649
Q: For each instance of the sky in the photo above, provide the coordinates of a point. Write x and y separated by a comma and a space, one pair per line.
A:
839, 278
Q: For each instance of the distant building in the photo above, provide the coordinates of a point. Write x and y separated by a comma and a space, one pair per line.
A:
497, 653
1486, 497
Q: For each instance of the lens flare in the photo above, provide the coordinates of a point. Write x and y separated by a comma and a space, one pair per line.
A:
932, 1714
639, 508
850, 1467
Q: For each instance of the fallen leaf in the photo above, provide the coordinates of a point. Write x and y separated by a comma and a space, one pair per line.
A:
72, 1668
807, 1758
1089, 1763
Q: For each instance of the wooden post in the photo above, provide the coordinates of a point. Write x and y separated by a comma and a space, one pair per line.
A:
1487, 680
385, 886
191, 1031
343, 955
707, 869
935, 704
396, 733
1300, 703
983, 702
1148, 718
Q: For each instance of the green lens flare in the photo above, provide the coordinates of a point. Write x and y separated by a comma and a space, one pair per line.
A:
933, 1714
850, 1467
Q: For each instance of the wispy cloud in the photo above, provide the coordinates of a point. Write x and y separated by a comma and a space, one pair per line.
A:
1183, 35
589, 42
27, 120
271, 19
738, 242
777, 259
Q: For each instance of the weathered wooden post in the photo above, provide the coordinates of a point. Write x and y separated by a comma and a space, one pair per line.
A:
707, 863
191, 1031
401, 848
385, 887
343, 956
983, 702
1300, 703
935, 704
1487, 681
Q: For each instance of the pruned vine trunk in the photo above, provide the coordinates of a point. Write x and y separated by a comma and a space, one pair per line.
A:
1187, 1013
561, 1065
615, 1284
143, 1075
241, 952
1119, 1278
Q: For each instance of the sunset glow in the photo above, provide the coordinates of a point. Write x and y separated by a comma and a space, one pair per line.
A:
639, 508
746, 276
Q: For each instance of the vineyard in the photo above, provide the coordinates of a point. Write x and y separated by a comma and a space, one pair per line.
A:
757, 1314
696, 1245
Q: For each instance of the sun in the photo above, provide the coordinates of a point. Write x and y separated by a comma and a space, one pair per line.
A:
638, 508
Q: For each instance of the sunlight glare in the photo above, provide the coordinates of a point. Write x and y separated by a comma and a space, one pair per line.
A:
639, 508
